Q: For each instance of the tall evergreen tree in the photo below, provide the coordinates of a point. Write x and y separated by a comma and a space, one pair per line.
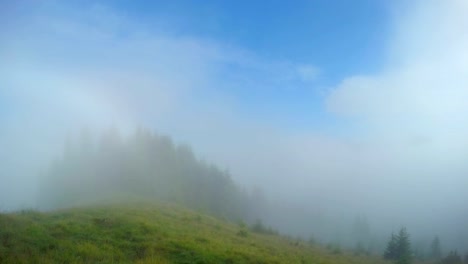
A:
436, 251
404, 247
391, 251
399, 248
361, 231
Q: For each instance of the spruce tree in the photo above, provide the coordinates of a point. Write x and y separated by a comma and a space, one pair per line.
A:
399, 248
436, 251
391, 251
403, 247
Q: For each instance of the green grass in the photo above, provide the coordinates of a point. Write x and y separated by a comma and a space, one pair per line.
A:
148, 233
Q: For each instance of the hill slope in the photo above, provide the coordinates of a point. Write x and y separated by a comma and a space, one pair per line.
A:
149, 233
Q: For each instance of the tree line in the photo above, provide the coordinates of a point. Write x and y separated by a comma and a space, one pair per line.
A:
141, 166
399, 251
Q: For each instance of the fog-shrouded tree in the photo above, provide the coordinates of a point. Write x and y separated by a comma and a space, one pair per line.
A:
361, 233
419, 253
452, 258
435, 250
404, 247
391, 250
399, 248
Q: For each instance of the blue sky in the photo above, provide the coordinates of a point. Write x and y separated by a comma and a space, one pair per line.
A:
338, 35
328, 93
337, 38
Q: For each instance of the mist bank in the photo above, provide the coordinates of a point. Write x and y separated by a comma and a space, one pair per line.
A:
119, 166
141, 166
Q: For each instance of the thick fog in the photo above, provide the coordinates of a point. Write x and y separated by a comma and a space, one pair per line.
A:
388, 145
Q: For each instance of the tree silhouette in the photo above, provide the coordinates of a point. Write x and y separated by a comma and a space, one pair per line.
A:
404, 247
399, 248
436, 251
392, 248
452, 258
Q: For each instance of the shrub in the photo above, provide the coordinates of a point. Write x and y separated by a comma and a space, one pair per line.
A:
260, 228
243, 233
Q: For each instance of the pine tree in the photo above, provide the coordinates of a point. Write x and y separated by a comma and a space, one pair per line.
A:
403, 247
399, 248
391, 251
436, 251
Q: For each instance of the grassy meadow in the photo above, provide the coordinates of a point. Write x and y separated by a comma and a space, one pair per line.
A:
149, 233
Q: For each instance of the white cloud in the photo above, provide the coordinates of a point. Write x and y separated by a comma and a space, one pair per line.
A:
426, 80
412, 113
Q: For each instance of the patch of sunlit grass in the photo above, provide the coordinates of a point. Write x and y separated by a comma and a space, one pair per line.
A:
148, 233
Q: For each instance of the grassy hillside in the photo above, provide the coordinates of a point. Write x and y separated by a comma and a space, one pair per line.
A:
150, 233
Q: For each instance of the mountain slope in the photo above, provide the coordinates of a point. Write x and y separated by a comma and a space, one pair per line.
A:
147, 233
